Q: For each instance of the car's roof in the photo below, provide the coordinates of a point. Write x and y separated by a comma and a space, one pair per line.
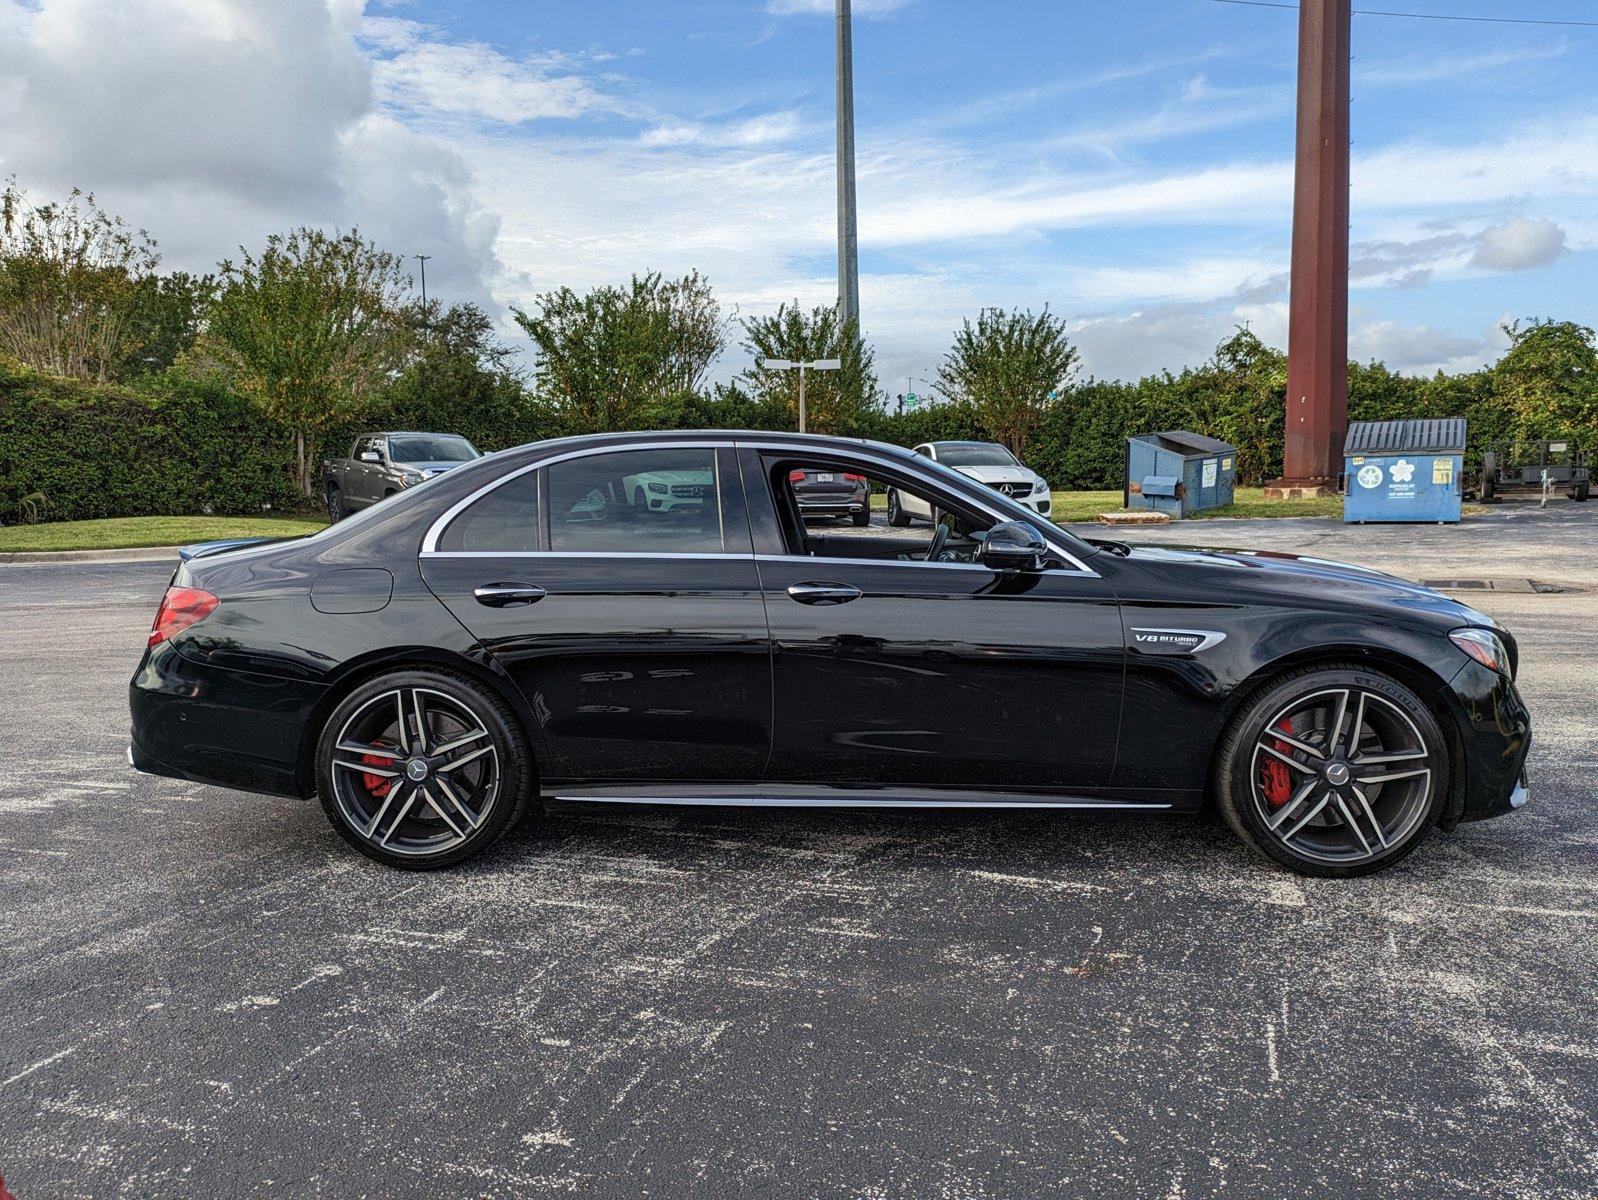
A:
816, 441
955, 442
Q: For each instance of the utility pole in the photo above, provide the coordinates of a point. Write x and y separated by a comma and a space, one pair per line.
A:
848, 242
1317, 338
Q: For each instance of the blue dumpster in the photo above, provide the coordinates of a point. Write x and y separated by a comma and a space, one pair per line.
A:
1178, 472
1403, 470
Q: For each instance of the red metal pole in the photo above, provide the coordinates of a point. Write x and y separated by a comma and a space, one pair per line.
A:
1317, 339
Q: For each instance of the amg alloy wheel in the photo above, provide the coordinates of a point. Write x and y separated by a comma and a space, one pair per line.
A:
422, 769
1333, 772
897, 517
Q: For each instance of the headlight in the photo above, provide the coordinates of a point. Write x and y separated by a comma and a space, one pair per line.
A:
659, 489
1485, 646
1040, 485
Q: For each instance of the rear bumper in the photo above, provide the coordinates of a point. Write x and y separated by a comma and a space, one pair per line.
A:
212, 725
1496, 729
831, 506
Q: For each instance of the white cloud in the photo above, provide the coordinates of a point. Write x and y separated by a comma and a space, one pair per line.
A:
763, 130
1519, 245
416, 71
216, 122
1414, 349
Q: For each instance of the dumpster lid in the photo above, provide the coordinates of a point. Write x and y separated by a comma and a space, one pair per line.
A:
1445, 435
1184, 441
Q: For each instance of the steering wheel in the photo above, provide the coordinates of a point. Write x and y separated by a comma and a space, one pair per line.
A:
938, 538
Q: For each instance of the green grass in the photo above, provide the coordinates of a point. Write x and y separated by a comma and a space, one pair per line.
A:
1248, 502
126, 533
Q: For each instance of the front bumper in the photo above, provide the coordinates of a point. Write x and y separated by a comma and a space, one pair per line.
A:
1496, 728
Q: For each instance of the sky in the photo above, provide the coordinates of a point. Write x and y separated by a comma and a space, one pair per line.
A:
1127, 163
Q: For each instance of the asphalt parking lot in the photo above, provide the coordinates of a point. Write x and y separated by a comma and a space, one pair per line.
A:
207, 994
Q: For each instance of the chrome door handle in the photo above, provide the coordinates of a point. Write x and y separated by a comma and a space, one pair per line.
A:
823, 593
508, 595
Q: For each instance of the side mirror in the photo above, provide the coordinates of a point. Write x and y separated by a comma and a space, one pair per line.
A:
371, 456
1013, 546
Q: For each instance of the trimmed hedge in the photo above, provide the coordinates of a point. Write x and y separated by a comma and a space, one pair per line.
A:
177, 445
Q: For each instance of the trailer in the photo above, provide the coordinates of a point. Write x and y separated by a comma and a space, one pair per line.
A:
1533, 471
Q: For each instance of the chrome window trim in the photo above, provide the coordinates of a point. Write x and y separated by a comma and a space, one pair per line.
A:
436, 529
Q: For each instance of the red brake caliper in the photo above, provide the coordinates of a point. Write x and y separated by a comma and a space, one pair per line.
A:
376, 784
1278, 783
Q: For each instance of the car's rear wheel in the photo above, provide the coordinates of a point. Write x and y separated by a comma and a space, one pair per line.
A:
1333, 771
423, 768
897, 517
336, 511
861, 518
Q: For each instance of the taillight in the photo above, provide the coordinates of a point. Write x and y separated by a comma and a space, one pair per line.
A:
796, 476
849, 478
180, 608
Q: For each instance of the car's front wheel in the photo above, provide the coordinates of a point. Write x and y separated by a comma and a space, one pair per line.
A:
423, 768
1333, 771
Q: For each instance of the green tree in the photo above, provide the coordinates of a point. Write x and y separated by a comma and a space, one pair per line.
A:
1549, 378
1008, 368
167, 316
835, 401
605, 358
70, 277
310, 329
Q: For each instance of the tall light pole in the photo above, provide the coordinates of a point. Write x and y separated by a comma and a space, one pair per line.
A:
422, 258
783, 364
1317, 333
848, 242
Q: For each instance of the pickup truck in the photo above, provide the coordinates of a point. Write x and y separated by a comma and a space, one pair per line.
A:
381, 464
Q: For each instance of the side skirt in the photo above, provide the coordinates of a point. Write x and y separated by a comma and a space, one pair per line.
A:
733, 795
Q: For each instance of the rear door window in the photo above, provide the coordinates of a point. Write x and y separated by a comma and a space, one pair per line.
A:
664, 501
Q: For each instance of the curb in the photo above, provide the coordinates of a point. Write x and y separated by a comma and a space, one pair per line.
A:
131, 554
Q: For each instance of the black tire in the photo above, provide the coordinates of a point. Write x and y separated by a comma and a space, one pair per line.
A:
449, 697
638, 499
1581, 491
1371, 838
897, 517
336, 511
862, 518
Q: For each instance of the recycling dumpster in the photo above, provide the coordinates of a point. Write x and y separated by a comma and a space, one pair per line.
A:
1178, 472
1403, 470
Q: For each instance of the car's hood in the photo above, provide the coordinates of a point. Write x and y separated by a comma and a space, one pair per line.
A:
1303, 575
997, 474
433, 468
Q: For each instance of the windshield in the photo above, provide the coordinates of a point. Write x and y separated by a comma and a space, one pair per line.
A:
974, 454
442, 448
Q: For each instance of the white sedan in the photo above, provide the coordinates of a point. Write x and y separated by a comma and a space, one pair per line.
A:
986, 462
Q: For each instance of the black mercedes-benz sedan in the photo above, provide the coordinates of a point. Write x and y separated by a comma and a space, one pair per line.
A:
528, 626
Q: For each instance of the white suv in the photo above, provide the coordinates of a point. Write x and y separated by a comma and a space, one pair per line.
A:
986, 462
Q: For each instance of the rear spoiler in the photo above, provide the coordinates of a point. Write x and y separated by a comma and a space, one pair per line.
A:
223, 545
